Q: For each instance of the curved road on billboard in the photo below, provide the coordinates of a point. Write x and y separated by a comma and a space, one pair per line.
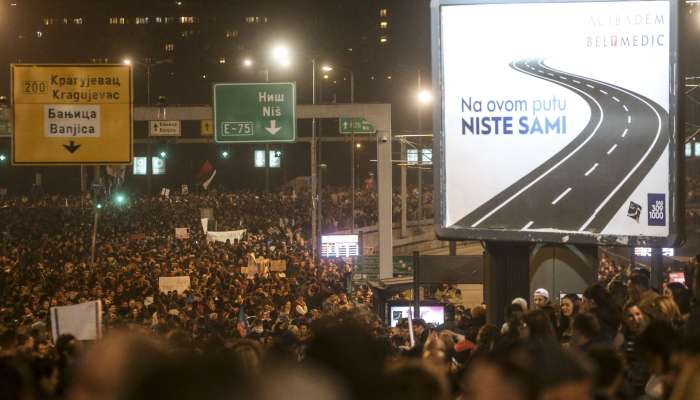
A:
582, 187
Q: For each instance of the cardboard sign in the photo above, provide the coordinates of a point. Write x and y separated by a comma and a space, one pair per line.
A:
84, 320
278, 265
182, 233
173, 284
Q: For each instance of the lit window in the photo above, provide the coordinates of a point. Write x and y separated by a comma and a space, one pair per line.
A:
141, 20
427, 156
169, 47
48, 21
383, 12
123, 20
188, 20
65, 21
412, 156
259, 158
383, 39
39, 34
231, 34
113, 20
78, 21
159, 20
250, 20
222, 60
383, 24
275, 158
168, 20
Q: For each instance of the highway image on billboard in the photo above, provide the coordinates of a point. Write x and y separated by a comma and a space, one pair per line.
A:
558, 121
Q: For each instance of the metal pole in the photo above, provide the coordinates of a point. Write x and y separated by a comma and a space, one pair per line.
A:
420, 162
83, 179
267, 147
404, 214
94, 235
267, 168
352, 182
352, 156
148, 82
314, 227
416, 285
149, 166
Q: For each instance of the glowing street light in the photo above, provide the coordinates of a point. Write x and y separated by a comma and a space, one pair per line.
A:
280, 53
126, 61
425, 97
326, 68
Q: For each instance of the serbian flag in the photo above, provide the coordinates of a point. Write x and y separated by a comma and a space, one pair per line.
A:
206, 174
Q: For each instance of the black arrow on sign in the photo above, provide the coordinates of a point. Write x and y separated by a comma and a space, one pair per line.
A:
71, 147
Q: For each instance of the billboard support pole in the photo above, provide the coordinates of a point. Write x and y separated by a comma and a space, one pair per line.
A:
416, 285
507, 276
657, 268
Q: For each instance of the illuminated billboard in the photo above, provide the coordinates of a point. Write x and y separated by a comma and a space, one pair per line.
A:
340, 245
557, 121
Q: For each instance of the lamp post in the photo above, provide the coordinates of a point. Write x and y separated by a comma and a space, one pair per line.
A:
329, 68
424, 97
280, 55
148, 63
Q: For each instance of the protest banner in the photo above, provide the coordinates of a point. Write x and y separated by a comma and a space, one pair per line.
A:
226, 235
84, 320
173, 283
182, 233
278, 265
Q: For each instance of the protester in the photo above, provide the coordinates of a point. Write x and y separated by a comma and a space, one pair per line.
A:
263, 318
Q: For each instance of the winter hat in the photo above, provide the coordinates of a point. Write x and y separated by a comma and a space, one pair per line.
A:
542, 292
521, 302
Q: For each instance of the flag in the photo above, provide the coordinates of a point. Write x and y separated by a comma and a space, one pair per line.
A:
206, 174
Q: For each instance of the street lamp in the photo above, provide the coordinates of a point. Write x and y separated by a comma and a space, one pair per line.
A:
148, 63
280, 56
424, 97
329, 68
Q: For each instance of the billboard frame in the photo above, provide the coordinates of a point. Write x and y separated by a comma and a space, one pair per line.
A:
675, 209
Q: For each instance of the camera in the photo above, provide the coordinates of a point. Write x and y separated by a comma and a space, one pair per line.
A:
384, 139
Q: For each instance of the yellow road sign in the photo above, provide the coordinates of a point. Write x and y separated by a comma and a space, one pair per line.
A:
72, 114
207, 128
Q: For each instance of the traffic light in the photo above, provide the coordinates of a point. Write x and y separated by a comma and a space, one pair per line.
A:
163, 154
119, 199
3, 158
99, 206
225, 154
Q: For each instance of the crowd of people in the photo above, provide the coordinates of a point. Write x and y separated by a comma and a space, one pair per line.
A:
304, 332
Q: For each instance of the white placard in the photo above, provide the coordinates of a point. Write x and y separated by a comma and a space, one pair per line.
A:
224, 236
173, 283
84, 320
182, 233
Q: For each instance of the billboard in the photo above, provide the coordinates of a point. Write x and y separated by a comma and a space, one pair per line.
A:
340, 245
557, 121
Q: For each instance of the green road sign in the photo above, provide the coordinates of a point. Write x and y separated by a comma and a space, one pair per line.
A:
367, 267
255, 112
356, 125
